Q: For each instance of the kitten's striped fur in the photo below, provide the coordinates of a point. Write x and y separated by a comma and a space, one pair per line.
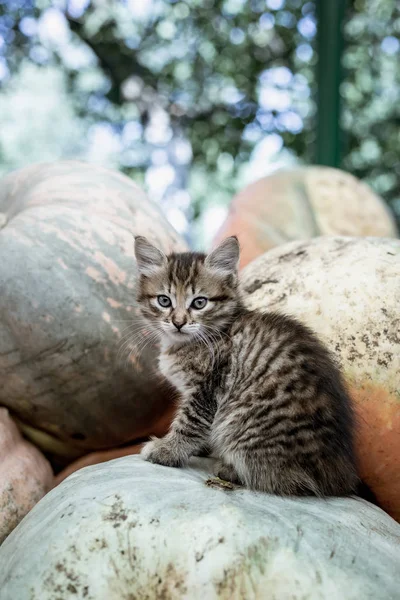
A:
259, 389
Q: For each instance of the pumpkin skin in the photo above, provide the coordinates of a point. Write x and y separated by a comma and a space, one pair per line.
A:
130, 529
95, 458
348, 291
67, 277
25, 475
303, 203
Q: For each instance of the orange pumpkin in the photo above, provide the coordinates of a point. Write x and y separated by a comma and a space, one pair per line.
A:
300, 204
25, 475
96, 458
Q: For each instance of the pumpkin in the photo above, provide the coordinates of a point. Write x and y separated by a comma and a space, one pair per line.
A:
94, 458
348, 291
67, 309
301, 204
25, 475
129, 529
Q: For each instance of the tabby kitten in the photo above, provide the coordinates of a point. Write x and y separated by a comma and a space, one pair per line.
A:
259, 389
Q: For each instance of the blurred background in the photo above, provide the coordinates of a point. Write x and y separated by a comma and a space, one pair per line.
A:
196, 98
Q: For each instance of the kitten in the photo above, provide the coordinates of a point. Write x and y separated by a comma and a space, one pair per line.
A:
259, 389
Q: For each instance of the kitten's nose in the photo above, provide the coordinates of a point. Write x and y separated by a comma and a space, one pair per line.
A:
179, 324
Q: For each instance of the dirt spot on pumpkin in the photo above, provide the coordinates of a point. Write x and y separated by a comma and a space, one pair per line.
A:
168, 584
341, 244
254, 559
385, 360
14, 505
353, 354
164, 586
393, 333
64, 582
99, 543
117, 513
297, 255
160, 580
257, 284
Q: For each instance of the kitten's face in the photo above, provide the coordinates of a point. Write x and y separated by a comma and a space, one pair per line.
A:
188, 296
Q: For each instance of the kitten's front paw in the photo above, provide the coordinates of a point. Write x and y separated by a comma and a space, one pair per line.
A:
226, 472
162, 452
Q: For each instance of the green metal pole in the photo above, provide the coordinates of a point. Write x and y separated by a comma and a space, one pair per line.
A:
330, 17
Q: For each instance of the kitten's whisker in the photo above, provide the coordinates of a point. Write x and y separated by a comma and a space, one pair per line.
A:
131, 318
209, 346
211, 333
136, 340
133, 331
140, 346
138, 325
215, 329
133, 335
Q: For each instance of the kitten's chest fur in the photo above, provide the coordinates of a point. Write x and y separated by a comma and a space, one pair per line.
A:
175, 372
191, 367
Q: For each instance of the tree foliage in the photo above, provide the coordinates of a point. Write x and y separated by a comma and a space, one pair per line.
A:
208, 81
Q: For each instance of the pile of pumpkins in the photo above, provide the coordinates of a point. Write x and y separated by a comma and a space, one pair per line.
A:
316, 243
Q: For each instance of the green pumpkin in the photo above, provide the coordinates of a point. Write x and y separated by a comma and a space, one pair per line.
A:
67, 281
128, 529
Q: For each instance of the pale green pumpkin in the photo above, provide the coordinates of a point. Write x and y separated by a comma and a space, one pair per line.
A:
128, 529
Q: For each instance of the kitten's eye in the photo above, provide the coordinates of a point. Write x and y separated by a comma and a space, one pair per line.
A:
199, 303
164, 301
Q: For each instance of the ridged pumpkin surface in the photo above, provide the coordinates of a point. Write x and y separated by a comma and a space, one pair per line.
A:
67, 281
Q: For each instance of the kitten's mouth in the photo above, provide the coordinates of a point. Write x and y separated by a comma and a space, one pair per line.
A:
180, 335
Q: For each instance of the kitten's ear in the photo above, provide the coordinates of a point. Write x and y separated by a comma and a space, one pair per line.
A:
149, 258
225, 257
